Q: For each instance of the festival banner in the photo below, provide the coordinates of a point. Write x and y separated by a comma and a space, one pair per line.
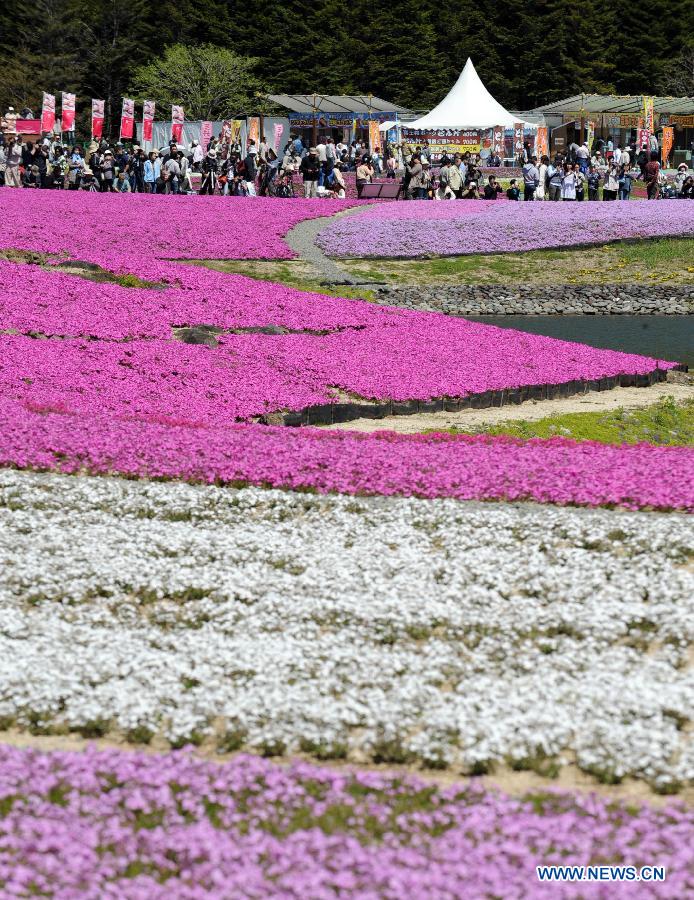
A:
147, 120
668, 141
542, 142
374, 136
277, 137
205, 135
498, 140
440, 141
517, 138
97, 118
48, 112
236, 126
225, 136
643, 138
127, 118
177, 120
590, 134
648, 114
253, 130
67, 104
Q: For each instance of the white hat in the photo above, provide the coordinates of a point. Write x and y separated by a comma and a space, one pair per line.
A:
212, 153
682, 166
194, 144
10, 109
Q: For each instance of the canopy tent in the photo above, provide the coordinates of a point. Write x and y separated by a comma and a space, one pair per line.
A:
467, 105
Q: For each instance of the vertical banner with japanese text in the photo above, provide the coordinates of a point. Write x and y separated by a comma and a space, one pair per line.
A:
648, 115
590, 134
517, 138
48, 112
205, 135
643, 136
498, 140
147, 120
177, 119
67, 112
668, 141
236, 126
127, 118
277, 137
253, 130
374, 136
542, 142
97, 118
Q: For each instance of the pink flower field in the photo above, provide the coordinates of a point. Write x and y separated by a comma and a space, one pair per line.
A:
472, 226
115, 371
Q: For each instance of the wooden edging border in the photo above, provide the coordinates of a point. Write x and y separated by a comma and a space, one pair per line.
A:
335, 413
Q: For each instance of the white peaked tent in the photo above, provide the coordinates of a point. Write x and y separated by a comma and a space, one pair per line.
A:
468, 104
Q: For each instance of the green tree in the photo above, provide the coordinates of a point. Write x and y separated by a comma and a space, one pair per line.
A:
209, 82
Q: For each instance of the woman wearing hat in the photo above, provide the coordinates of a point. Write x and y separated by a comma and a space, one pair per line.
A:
210, 170
680, 178
108, 171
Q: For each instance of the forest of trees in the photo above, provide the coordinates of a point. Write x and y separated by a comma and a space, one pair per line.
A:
409, 51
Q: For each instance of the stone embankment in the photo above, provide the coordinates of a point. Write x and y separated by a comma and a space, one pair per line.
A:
560, 299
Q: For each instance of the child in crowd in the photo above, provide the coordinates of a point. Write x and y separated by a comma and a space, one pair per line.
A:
513, 192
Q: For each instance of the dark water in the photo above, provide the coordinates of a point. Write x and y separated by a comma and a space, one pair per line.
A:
663, 337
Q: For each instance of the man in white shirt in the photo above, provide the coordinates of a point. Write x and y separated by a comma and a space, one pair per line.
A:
618, 155
321, 148
583, 157
198, 156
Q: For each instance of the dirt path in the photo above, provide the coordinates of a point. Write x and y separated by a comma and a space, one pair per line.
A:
570, 778
531, 410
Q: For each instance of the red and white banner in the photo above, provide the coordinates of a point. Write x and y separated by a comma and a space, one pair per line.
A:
177, 119
147, 119
67, 112
517, 138
127, 118
205, 135
97, 118
498, 140
643, 138
48, 112
279, 128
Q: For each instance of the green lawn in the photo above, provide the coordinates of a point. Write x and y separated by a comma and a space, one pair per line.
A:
664, 260
665, 423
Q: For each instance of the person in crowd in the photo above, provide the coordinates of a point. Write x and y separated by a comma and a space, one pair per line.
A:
542, 181
688, 188
136, 170
310, 172
31, 178
149, 175
13, 158
680, 178
492, 189
251, 168
583, 157
210, 171
624, 182
108, 171
581, 181
88, 181
173, 174
413, 175
471, 192
337, 186
494, 160
456, 180
642, 161
122, 185
198, 156
593, 179
391, 166
568, 182
76, 165
652, 176
365, 173
531, 177
610, 185
513, 191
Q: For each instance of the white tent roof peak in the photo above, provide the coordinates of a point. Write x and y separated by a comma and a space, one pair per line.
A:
468, 104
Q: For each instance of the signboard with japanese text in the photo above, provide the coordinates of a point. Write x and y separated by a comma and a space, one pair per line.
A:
498, 140
97, 118
67, 112
668, 141
322, 120
517, 138
177, 120
147, 119
443, 141
542, 141
127, 119
648, 115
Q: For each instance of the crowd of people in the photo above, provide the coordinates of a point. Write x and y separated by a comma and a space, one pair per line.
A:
227, 168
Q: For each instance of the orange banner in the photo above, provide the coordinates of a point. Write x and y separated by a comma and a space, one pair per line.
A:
542, 142
668, 141
374, 136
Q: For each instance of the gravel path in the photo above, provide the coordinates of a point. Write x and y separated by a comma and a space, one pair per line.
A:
531, 410
302, 240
